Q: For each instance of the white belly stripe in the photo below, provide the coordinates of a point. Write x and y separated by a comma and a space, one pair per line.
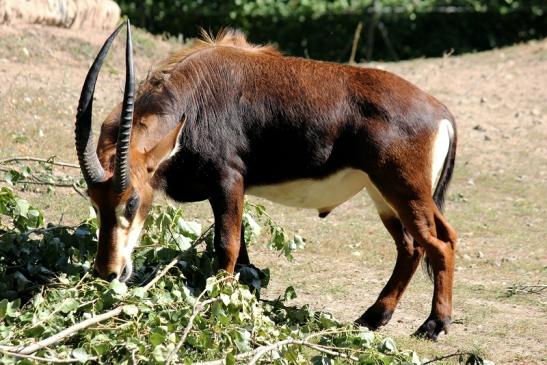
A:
321, 194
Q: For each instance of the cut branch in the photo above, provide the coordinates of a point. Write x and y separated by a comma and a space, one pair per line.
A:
50, 161
48, 360
198, 308
27, 350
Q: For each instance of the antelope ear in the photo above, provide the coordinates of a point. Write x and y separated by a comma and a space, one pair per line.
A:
165, 149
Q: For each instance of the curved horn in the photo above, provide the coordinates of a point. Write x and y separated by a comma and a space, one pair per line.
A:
121, 172
87, 156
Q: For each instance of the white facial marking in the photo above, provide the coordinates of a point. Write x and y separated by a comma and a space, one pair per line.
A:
128, 238
120, 216
127, 233
440, 150
321, 194
97, 216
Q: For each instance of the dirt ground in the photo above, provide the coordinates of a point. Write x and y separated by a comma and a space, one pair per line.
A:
497, 201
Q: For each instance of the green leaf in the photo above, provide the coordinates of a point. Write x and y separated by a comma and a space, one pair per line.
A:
80, 354
290, 294
156, 338
225, 299
138, 292
367, 337
130, 310
21, 207
3, 308
118, 287
159, 354
230, 359
192, 228
388, 345
68, 305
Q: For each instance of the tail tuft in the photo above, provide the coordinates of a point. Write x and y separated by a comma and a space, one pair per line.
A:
442, 185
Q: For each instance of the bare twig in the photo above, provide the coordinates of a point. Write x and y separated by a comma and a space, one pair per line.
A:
36, 182
439, 358
79, 191
385, 35
526, 288
43, 359
356, 37
198, 308
50, 161
47, 229
162, 273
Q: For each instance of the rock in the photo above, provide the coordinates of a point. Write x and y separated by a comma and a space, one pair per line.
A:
74, 14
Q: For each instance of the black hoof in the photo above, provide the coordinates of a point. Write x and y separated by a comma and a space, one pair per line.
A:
374, 318
432, 327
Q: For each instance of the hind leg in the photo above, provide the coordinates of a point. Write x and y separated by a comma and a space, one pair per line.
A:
430, 230
408, 259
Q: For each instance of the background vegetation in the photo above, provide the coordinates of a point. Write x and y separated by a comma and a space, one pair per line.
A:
324, 29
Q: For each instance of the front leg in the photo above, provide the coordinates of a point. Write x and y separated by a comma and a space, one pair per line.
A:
227, 204
243, 258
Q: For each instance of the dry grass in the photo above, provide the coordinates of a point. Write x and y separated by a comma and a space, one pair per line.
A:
497, 201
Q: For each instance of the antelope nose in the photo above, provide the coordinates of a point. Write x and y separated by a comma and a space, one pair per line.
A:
106, 275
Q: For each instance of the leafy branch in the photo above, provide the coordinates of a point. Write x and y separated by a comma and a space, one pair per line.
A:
40, 173
174, 309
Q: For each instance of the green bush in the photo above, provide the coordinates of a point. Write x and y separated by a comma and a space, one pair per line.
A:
324, 29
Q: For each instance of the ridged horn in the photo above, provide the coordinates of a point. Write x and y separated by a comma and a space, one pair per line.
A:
87, 156
121, 173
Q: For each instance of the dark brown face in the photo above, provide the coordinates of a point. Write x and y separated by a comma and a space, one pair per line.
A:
118, 176
121, 218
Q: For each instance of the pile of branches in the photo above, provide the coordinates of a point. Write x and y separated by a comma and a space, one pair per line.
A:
176, 308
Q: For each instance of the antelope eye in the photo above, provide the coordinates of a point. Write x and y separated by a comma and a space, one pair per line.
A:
131, 208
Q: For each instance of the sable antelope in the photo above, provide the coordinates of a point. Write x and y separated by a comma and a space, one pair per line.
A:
225, 118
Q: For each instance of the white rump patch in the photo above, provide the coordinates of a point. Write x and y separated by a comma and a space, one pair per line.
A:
445, 133
322, 194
